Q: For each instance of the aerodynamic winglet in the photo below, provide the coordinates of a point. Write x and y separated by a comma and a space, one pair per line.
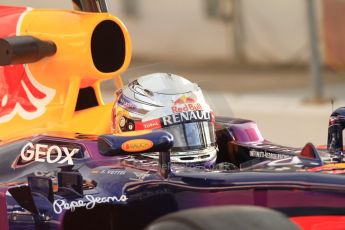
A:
23, 196
310, 152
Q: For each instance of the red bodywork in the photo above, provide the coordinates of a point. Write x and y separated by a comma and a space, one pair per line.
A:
320, 222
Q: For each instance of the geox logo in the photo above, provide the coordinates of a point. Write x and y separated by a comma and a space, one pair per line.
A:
45, 153
185, 117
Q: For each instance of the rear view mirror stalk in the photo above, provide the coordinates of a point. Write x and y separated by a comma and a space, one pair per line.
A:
164, 164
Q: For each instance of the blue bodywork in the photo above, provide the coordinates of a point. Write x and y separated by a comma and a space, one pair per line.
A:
107, 188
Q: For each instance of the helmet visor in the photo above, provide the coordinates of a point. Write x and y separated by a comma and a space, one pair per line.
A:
192, 136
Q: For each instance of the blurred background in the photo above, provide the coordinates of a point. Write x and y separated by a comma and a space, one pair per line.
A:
280, 63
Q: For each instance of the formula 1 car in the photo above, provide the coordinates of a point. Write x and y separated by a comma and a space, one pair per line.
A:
62, 169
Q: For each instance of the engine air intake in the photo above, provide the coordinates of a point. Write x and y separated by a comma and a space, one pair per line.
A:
108, 47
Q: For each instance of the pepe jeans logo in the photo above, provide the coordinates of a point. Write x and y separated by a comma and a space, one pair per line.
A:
51, 154
185, 104
137, 145
60, 205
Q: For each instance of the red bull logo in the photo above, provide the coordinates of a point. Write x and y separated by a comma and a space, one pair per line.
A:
20, 93
185, 104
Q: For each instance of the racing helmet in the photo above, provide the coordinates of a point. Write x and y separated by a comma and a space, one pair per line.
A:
174, 104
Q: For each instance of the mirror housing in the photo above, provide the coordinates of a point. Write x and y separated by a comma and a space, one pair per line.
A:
135, 142
131, 143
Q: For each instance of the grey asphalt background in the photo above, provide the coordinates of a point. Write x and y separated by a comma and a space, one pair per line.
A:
275, 97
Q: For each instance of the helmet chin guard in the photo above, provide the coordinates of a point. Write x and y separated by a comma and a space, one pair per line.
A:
171, 103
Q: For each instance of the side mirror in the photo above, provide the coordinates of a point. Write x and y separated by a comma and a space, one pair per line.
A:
136, 142
129, 143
